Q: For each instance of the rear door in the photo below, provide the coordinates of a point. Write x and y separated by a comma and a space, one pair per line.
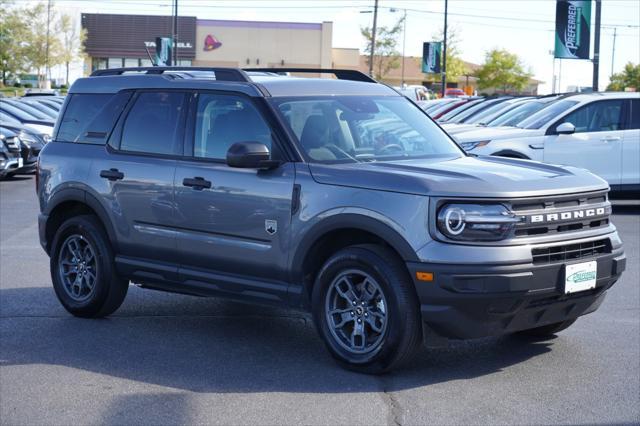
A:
236, 221
596, 144
135, 175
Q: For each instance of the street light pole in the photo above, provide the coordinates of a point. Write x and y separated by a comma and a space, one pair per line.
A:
373, 37
444, 50
613, 53
46, 68
404, 41
596, 47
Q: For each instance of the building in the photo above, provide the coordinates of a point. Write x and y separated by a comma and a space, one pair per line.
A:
115, 41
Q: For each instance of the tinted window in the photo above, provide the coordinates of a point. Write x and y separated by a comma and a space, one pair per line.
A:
634, 122
354, 129
81, 109
222, 121
516, 115
152, 124
597, 117
547, 114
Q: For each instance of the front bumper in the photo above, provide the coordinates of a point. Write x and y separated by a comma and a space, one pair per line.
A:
470, 301
8, 166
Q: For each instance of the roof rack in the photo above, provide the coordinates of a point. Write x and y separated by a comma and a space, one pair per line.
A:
221, 74
352, 75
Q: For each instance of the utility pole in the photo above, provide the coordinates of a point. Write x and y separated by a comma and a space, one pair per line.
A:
444, 50
373, 37
175, 34
404, 41
46, 68
596, 47
613, 52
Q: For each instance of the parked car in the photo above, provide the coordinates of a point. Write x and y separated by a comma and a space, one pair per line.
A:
434, 103
465, 106
445, 108
416, 93
10, 159
598, 132
42, 92
454, 93
43, 104
9, 113
338, 196
36, 111
479, 116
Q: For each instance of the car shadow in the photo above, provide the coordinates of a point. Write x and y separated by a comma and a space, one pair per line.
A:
626, 209
212, 345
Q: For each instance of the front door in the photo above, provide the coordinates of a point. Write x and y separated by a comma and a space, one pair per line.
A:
229, 220
596, 144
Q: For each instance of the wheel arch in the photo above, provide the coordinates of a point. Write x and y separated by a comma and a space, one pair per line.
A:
69, 202
509, 153
334, 233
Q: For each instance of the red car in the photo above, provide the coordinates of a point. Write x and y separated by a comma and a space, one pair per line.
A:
454, 93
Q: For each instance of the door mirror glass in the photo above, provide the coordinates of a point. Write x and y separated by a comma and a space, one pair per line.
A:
565, 129
249, 155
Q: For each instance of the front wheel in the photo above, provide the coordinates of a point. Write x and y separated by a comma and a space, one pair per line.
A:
366, 309
83, 271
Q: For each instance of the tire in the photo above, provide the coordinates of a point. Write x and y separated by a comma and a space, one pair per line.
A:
390, 329
87, 285
547, 330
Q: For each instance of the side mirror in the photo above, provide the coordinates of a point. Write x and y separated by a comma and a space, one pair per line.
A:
250, 155
565, 129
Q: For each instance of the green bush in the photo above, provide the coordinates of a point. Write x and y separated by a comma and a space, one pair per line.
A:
16, 84
28, 85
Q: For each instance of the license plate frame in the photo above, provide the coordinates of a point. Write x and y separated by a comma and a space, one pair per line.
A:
580, 276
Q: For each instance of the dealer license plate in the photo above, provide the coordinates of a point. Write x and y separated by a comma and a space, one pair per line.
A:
20, 163
580, 277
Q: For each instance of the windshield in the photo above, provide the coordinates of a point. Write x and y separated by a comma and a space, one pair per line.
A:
543, 116
30, 110
466, 115
448, 116
517, 114
494, 111
356, 128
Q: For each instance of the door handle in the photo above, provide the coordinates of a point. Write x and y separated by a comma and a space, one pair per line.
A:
197, 183
112, 174
610, 139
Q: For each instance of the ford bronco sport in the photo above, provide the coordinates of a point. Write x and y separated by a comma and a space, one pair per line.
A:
334, 195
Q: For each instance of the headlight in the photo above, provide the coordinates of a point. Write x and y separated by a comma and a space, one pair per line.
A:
468, 146
476, 222
46, 138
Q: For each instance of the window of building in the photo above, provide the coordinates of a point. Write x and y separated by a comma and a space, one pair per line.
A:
114, 63
131, 62
152, 124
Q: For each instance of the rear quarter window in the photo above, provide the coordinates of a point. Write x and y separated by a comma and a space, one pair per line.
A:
89, 118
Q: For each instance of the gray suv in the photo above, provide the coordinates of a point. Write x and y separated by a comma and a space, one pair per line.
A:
333, 195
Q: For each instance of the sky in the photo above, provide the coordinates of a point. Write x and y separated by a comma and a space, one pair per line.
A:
524, 27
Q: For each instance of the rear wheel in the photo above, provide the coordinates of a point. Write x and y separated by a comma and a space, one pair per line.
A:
366, 310
547, 330
83, 270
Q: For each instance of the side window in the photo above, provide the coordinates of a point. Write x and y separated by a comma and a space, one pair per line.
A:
97, 130
634, 120
223, 120
81, 109
599, 116
152, 125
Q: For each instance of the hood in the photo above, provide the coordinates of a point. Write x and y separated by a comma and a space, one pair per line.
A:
474, 177
495, 133
454, 128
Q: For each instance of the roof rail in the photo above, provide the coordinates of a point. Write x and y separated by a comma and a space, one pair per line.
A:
353, 75
221, 74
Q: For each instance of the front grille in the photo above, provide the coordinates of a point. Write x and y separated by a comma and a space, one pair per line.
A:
561, 204
562, 253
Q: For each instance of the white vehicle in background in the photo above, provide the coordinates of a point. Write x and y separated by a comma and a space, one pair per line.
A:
599, 132
415, 92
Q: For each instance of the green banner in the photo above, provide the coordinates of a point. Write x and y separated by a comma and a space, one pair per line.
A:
164, 48
573, 29
431, 57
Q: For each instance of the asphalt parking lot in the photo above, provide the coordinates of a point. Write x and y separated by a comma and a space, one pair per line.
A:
169, 359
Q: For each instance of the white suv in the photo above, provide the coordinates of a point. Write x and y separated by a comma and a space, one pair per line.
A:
599, 132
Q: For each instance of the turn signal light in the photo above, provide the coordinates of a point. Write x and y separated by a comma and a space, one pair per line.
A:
424, 276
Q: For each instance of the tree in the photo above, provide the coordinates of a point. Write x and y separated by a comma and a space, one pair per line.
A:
71, 40
385, 56
35, 39
504, 70
628, 78
456, 67
12, 29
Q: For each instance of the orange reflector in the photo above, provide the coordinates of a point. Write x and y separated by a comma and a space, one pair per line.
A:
424, 276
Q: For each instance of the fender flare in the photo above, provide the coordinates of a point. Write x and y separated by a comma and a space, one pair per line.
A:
82, 196
350, 221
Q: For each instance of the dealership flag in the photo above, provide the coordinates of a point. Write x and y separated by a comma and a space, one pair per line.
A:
164, 48
431, 53
573, 29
